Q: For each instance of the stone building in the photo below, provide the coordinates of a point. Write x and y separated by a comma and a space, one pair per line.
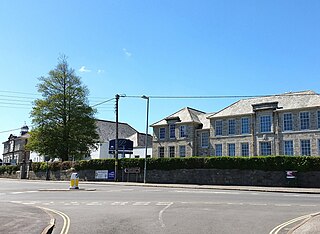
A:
285, 124
182, 134
14, 151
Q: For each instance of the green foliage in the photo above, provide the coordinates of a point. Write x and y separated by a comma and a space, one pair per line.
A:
64, 121
9, 169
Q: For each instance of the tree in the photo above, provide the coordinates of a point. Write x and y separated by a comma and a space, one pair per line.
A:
64, 124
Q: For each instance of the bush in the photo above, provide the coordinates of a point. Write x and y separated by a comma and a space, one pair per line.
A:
9, 169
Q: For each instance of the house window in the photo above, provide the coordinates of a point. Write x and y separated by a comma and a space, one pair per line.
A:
245, 149
265, 148
136, 156
182, 150
287, 122
172, 131
305, 147
204, 139
218, 127
318, 119
183, 131
245, 129
161, 152
171, 151
265, 123
304, 120
288, 148
218, 150
231, 149
232, 126
162, 133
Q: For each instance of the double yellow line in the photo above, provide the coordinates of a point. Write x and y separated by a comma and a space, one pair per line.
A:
66, 219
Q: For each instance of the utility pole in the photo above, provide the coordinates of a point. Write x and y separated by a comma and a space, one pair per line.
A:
116, 177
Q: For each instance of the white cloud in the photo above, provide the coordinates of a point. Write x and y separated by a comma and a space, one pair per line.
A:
100, 71
127, 53
83, 69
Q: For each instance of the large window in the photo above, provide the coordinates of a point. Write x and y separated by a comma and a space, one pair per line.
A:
182, 150
183, 131
305, 147
162, 133
161, 152
231, 149
265, 148
245, 149
171, 151
172, 131
218, 127
265, 123
245, 126
288, 148
218, 150
287, 122
204, 140
304, 120
232, 126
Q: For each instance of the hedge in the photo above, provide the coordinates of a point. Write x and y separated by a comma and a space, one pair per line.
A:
265, 163
9, 169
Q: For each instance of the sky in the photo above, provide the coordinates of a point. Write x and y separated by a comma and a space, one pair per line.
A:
157, 48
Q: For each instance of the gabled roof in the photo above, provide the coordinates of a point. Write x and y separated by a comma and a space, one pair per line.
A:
286, 101
185, 115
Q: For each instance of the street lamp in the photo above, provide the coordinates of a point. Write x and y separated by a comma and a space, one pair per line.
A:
146, 140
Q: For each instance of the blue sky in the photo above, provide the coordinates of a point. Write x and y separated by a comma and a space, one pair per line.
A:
157, 47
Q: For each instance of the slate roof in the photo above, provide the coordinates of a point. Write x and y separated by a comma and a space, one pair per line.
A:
187, 115
286, 101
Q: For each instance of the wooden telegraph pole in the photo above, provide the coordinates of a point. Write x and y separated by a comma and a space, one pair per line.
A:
116, 177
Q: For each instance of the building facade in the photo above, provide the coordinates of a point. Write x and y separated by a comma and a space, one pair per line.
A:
182, 134
285, 124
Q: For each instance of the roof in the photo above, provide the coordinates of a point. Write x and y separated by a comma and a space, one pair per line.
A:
186, 115
286, 101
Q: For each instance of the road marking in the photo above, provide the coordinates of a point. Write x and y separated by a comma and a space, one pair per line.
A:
202, 191
282, 205
22, 192
119, 203
141, 203
163, 203
257, 204
66, 219
161, 214
278, 228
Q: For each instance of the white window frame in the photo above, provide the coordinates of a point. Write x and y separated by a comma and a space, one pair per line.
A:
182, 150
263, 151
303, 144
231, 149
231, 126
287, 122
205, 139
172, 154
286, 150
304, 120
220, 152
245, 151
245, 125
183, 131
172, 131
218, 128
164, 133
161, 152
265, 123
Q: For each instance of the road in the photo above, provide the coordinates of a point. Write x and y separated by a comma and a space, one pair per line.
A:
104, 208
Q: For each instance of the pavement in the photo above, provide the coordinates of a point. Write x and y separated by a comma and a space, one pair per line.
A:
37, 220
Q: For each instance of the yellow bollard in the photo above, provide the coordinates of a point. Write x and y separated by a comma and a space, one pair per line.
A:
74, 181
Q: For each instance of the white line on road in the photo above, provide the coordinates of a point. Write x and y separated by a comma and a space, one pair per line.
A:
141, 203
119, 203
161, 214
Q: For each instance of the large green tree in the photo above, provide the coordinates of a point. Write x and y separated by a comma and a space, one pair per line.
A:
63, 122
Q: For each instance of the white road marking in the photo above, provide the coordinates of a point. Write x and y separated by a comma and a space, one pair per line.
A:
119, 203
282, 205
202, 191
161, 214
163, 203
22, 192
141, 203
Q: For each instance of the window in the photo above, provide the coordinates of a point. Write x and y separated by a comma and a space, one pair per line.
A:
204, 139
161, 152
231, 149
162, 133
218, 127
245, 149
318, 119
288, 148
265, 123
265, 148
171, 151
232, 126
182, 150
172, 131
136, 156
304, 120
183, 131
287, 122
218, 150
245, 129
305, 148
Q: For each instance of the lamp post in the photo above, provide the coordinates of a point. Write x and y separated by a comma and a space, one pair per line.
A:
146, 140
